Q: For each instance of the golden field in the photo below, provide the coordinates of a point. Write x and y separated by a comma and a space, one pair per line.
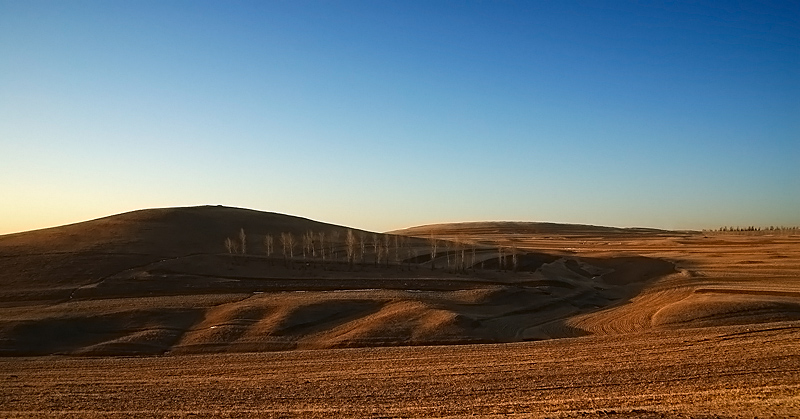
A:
147, 314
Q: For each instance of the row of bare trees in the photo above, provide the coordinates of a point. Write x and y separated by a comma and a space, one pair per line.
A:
237, 245
326, 246
780, 230
460, 255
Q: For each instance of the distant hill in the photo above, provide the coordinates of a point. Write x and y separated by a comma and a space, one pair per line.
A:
85, 252
526, 228
162, 231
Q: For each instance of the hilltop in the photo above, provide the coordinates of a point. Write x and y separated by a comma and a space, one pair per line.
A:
526, 228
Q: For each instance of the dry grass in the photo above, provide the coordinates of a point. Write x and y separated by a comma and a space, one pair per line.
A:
732, 371
657, 324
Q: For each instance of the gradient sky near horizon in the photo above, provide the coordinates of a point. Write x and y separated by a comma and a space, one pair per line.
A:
388, 114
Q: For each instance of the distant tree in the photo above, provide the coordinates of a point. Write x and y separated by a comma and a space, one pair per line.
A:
472, 259
287, 240
291, 243
321, 238
386, 246
378, 255
456, 253
285, 247
447, 246
334, 241
463, 266
229, 246
269, 244
376, 245
434, 246
514, 259
350, 243
243, 240
362, 245
305, 244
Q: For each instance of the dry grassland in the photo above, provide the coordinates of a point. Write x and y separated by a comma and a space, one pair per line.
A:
738, 371
595, 323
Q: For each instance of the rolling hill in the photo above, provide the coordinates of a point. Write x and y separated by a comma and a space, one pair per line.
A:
161, 281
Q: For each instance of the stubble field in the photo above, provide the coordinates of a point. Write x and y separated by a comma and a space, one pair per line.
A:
646, 324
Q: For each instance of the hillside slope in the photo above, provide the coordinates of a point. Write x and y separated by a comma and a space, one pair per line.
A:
161, 281
524, 228
86, 252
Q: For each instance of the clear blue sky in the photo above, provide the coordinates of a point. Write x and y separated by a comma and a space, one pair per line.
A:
388, 114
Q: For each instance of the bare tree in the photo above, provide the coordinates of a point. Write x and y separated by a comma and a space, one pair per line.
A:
514, 259
291, 244
472, 260
334, 241
321, 237
243, 240
285, 246
456, 253
378, 254
350, 241
386, 245
434, 245
269, 244
362, 245
312, 245
287, 241
463, 266
229, 245
376, 244
305, 244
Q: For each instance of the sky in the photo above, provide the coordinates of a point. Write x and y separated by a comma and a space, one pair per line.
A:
389, 114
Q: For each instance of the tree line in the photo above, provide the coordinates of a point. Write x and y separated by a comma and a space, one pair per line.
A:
754, 229
360, 247
356, 246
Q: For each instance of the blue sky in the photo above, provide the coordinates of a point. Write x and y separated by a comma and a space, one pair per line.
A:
388, 114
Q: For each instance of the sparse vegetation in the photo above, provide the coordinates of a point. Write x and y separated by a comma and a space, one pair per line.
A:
434, 246
287, 241
230, 246
269, 245
362, 242
242, 241
753, 230
321, 238
350, 242
334, 241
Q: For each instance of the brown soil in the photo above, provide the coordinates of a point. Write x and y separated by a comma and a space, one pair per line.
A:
657, 324
733, 371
